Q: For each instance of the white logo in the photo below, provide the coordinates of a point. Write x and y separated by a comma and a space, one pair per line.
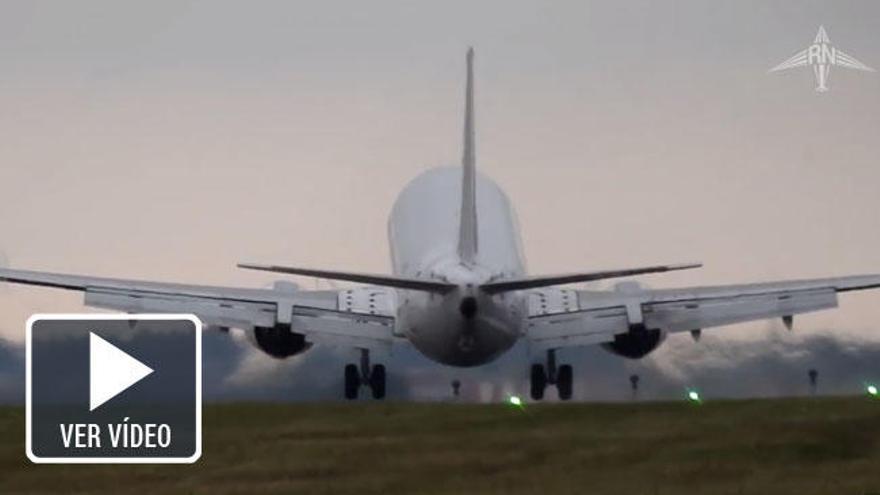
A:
821, 56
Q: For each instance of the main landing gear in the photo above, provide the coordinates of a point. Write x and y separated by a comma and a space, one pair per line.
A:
364, 375
561, 376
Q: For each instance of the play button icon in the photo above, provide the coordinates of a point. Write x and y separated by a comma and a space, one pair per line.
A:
111, 371
104, 388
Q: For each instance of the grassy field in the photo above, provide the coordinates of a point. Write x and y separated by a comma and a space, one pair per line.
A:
802, 446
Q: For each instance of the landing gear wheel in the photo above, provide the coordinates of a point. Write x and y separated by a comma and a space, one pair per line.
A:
352, 381
377, 381
564, 380
538, 381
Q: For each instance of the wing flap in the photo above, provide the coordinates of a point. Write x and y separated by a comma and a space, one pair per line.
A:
575, 329
212, 312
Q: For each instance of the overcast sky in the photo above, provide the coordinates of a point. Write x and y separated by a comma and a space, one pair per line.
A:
170, 140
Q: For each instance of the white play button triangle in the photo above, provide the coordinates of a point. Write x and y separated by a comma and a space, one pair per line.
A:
111, 371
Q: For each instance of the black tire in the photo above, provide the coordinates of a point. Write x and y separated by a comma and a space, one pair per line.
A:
377, 381
564, 381
352, 381
538, 381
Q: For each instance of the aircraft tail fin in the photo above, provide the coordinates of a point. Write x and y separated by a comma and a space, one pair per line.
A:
467, 235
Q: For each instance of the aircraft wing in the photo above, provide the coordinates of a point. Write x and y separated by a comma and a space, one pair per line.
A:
360, 317
563, 318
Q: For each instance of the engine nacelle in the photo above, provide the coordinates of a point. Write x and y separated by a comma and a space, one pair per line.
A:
279, 341
637, 343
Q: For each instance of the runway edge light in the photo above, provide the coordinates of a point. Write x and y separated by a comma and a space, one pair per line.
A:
514, 400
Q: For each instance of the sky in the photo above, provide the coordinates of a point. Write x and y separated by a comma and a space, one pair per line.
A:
170, 140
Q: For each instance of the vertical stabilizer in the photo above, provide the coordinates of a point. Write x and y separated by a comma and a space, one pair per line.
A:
467, 235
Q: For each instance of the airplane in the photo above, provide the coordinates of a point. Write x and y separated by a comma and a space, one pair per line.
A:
459, 293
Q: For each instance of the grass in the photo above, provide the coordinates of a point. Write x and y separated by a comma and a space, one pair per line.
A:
802, 446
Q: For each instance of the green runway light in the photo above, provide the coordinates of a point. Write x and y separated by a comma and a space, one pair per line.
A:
693, 396
872, 390
514, 400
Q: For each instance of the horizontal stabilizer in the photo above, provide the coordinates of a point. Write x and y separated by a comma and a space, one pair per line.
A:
363, 278
549, 280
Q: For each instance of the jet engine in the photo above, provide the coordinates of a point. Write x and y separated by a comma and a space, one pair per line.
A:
637, 343
279, 341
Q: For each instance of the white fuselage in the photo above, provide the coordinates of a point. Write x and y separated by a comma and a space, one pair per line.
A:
464, 327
